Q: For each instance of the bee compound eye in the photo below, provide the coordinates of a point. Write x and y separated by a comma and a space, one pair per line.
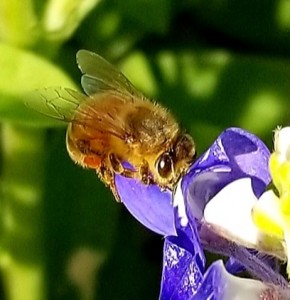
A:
164, 165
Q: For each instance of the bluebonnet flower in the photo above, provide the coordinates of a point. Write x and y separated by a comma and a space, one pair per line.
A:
211, 209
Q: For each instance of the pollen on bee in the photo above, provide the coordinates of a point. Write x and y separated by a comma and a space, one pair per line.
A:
91, 161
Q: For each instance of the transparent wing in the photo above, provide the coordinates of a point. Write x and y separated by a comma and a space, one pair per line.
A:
71, 106
58, 103
99, 75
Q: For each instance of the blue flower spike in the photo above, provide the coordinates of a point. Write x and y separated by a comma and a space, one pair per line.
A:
212, 208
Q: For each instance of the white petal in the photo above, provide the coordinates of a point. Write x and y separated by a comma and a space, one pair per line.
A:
178, 201
241, 288
230, 212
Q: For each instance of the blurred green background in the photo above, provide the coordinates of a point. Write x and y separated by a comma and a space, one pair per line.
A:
214, 63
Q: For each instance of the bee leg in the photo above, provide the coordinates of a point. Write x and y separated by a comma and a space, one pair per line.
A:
108, 178
144, 173
115, 193
119, 169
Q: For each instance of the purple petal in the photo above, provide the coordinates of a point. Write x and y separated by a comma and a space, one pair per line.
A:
148, 204
183, 263
181, 275
233, 266
235, 154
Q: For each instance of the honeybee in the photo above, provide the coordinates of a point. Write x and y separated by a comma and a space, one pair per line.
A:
113, 124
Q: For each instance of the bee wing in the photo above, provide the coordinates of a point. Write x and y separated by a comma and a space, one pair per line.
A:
99, 75
58, 103
68, 105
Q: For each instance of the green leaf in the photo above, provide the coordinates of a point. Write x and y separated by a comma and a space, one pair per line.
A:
21, 73
18, 22
62, 17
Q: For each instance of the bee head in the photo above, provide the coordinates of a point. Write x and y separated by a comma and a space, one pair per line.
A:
171, 164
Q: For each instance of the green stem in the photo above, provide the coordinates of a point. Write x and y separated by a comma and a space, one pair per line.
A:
22, 257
